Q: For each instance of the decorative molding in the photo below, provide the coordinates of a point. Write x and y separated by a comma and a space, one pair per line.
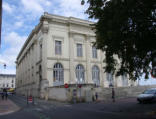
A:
79, 60
45, 27
59, 59
59, 38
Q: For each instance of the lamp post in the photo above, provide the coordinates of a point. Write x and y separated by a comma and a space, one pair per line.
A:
113, 91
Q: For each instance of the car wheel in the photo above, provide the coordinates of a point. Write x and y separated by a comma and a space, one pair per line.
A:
140, 102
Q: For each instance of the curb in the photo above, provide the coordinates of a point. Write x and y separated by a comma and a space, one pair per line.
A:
9, 112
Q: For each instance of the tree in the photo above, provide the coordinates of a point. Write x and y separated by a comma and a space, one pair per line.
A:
126, 29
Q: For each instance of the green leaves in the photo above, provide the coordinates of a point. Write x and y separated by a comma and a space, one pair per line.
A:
126, 29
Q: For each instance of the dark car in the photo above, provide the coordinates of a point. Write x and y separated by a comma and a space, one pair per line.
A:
148, 95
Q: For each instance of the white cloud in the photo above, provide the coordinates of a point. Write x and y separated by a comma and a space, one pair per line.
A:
48, 3
32, 6
15, 42
8, 7
18, 24
71, 8
14, 39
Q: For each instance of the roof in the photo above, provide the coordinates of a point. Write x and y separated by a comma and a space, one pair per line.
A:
8, 75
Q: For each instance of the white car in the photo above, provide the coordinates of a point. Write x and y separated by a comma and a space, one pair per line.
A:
148, 95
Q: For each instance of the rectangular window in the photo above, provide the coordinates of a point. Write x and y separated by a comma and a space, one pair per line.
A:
94, 52
40, 51
58, 48
79, 50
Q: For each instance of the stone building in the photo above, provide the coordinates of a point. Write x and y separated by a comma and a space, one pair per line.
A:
7, 81
60, 50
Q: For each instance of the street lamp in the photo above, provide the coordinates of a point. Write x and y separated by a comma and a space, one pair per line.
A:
4, 66
113, 91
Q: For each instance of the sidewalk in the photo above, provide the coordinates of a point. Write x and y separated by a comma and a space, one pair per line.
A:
7, 106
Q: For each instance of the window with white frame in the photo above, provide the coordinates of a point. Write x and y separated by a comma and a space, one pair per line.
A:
110, 79
96, 75
124, 80
58, 47
80, 74
94, 52
58, 74
79, 50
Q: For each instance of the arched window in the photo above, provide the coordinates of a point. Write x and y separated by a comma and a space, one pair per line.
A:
109, 77
124, 80
58, 74
96, 75
80, 73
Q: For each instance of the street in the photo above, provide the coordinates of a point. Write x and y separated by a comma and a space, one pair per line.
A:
124, 108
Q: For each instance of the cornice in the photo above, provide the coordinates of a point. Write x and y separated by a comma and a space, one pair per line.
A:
66, 20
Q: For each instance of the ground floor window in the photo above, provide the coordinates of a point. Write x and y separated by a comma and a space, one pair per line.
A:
58, 74
124, 80
109, 77
80, 74
96, 75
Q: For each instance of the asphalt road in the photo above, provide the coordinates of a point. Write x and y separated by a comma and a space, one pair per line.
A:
121, 109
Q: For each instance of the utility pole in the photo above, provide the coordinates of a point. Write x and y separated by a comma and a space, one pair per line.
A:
0, 19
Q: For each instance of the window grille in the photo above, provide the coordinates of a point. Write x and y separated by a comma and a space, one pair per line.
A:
80, 74
96, 75
58, 74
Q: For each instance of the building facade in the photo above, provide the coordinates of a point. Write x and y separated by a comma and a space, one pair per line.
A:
7, 81
58, 51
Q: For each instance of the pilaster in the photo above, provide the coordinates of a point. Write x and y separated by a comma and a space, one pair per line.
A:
71, 57
88, 58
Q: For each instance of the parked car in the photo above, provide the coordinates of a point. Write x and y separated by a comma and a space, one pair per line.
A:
148, 95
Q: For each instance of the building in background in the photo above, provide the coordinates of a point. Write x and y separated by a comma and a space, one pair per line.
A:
7, 81
60, 51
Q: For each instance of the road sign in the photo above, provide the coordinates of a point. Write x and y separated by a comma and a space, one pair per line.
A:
30, 99
66, 85
79, 85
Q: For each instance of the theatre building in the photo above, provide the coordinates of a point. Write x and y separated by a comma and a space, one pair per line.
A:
59, 51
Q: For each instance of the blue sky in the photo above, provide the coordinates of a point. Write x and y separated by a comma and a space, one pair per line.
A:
21, 16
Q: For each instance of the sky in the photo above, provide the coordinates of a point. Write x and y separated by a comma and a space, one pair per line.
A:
21, 16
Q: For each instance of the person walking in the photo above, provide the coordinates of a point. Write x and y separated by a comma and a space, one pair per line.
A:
96, 96
5, 94
113, 94
2, 95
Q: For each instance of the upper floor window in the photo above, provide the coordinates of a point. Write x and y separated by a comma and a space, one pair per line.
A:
94, 52
79, 50
58, 48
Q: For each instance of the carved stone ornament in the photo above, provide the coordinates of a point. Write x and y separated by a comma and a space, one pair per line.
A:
45, 27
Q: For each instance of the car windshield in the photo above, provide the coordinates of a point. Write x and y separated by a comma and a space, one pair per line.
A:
149, 92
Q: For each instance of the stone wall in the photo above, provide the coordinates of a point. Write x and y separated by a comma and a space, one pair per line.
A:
87, 92
122, 92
